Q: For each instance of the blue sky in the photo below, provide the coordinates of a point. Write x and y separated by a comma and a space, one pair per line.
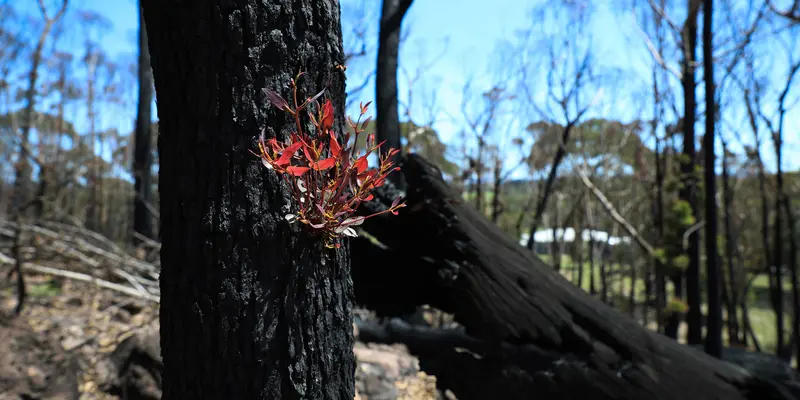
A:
451, 42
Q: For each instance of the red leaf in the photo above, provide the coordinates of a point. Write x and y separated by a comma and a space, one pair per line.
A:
327, 115
364, 107
309, 155
370, 197
273, 143
276, 99
287, 154
392, 152
297, 171
324, 164
361, 164
352, 221
335, 148
396, 204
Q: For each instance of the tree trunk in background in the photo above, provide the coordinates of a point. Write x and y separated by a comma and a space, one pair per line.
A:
544, 192
251, 307
93, 168
142, 156
604, 270
688, 192
660, 276
782, 204
733, 300
674, 319
387, 120
590, 224
23, 170
713, 343
790, 219
497, 207
592, 282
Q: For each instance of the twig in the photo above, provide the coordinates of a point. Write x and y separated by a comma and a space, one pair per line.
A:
654, 52
82, 277
690, 231
615, 215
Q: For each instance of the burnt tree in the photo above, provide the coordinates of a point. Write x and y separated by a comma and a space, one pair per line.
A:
688, 191
251, 306
142, 154
526, 332
387, 119
713, 343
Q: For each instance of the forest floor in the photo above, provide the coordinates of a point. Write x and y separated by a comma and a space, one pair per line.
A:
71, 328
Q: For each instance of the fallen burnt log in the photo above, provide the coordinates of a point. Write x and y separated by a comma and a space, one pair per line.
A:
528, 332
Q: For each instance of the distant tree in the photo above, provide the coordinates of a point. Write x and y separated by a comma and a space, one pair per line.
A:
22, 191
713, 343
23, 171
688, 191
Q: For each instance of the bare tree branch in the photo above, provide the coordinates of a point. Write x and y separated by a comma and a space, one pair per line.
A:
792, 14
615, 215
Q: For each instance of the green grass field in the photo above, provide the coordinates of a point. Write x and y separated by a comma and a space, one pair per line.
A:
762, 317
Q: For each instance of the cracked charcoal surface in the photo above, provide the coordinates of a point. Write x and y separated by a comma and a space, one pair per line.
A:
247, 311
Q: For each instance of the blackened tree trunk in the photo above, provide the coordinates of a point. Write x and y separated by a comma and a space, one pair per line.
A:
524, 331
727, 196
776, 291
544, 193
713, 344
93, 173
251, 306
590, 224
497, 207
688, 192
142, 155
777, 140
387, 119
790, 219
658, 214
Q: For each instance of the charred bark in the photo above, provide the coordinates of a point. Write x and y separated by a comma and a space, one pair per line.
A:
251, 307
713, 342
688, 192
142, 154
526, 330
387, 120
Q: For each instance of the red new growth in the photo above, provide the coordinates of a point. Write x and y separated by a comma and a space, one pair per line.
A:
328, 182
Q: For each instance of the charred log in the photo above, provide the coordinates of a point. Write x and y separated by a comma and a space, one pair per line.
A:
526, 330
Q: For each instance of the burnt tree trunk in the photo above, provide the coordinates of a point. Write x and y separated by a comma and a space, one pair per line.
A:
727, 199
527, 331
688, 192
251, 307
387, 120
544, 193
713, 343
777, 140
142, 154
